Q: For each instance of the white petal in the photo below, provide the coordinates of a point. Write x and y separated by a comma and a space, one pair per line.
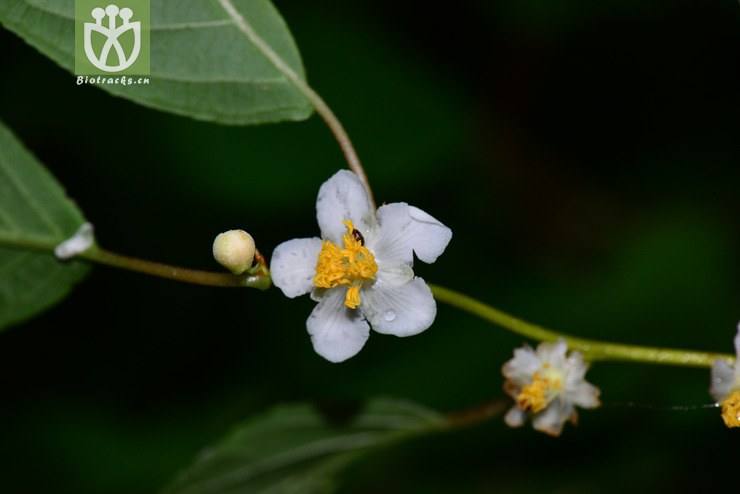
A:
584, 394
404, 229
337, 333
575, 369
553, 353
293, 265
432, 237
392, 273
317, 294
521, 368
343, 197
724, 378
552, 419
401, 311
515, 417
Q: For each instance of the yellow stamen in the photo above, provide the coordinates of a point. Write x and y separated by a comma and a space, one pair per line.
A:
545, 386
532, 396
353, 297
731, 409
351, 266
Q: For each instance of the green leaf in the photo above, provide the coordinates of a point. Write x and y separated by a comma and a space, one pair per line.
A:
293, 449
202, 65
35, 216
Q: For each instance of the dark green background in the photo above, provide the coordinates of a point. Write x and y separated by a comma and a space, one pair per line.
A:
584, 154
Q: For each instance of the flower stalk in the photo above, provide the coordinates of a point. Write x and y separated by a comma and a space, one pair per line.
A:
258, 276
591, 349
594, 350
336, 127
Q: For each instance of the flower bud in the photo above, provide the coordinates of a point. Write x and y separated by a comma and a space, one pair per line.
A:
234, 250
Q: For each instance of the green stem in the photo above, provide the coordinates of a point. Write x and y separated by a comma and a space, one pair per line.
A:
257, 277
33, 245
477, 414
312, 96
592, 349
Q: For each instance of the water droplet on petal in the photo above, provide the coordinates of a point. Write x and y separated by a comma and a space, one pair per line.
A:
389, 315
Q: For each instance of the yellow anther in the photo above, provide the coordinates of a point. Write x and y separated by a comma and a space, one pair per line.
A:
351, 266
731, 409
532, 396
353, 297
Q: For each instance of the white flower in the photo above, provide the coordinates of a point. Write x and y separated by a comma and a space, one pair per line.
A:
359, 271
547, 385
725, 388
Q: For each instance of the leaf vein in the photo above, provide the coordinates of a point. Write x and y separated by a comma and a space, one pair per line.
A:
48, 285
304, 452
30, 200
16, 260
158, 27
192, 25
31, 5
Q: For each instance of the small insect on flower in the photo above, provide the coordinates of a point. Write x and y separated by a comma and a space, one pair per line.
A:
546, 385
725, 387
358, 236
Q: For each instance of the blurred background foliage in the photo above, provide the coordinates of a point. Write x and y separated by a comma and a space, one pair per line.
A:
584, 154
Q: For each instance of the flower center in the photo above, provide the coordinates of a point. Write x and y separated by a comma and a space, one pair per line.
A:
541, 392
731, 409
350, 266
